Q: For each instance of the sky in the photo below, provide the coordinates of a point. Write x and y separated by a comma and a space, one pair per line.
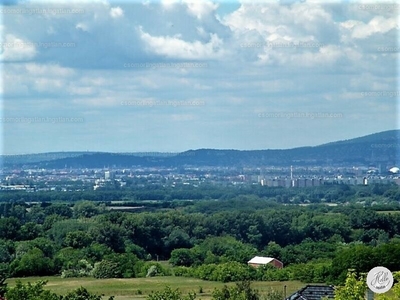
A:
170, 76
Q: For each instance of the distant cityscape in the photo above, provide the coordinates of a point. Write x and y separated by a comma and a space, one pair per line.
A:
33, 180
353, 162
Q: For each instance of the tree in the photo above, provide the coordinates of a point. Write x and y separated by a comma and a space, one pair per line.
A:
60, 229
36, 291
30, 231
106, 269
354, 288
3, 277
33, 263
77, 239
9, 228
177, 239
242, 291
30, 292
108, 234
182, 257
86, 209
59, 209
5, 255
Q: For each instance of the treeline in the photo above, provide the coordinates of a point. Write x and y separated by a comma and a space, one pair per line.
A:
338, 193
315, 243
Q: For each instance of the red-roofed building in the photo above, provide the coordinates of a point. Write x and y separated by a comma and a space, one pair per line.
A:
259, 261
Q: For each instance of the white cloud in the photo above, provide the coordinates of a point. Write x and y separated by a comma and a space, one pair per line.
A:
82, 26
182, 117
48, 84
106, 101
116, 12
168, 4
82, 91
17, 49
174, 47
48, 70
200, 9
237, 82
378, 24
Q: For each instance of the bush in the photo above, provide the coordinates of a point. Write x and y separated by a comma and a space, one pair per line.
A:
152, 271
106, 269
82, 269
232, 271
158, 270
37, 292
169, 294
33, 263
128, 264
182, 257
226, 272
183, 271
242, 291
30, 292
205, 272
83, 294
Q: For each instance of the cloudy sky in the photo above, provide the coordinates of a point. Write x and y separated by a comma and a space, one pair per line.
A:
177, 75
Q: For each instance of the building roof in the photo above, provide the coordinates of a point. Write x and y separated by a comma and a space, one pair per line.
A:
260, 260
314, 292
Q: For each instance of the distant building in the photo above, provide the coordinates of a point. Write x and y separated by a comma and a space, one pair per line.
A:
301, 182
259, 261
108, 175
316, 181
314, 292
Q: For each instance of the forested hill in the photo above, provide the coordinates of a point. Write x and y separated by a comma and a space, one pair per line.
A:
383, 147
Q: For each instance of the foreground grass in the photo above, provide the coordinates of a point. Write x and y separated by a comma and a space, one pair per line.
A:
139, 288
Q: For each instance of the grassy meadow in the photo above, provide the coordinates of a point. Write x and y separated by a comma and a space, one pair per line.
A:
139, 288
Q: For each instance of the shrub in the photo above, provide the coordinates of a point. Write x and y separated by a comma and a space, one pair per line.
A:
82, 269
106, 269
169, 294
183, 271
158, 270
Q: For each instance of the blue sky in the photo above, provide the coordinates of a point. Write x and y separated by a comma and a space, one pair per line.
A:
176, 75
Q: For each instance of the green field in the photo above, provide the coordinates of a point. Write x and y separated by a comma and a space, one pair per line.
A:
128, 289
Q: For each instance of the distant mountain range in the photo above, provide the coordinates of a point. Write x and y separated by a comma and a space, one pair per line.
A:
378, 148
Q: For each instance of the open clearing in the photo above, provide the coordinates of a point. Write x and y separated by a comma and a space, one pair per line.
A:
130, 289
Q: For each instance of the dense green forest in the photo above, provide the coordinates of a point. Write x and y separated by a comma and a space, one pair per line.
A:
207, 239
137, 190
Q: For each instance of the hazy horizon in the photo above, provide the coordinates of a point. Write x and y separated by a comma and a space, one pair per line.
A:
170, 76
163, 152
